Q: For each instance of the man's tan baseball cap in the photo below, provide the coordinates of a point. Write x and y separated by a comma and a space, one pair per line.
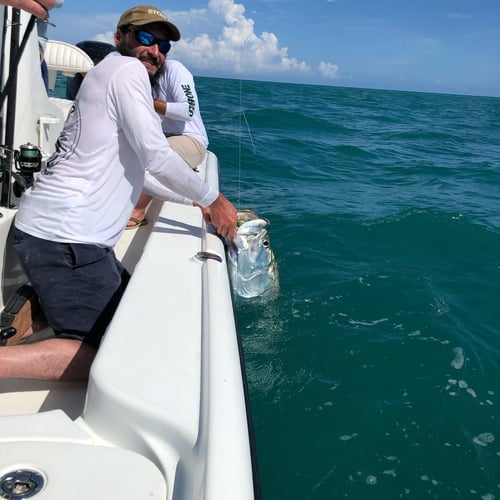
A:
146, 14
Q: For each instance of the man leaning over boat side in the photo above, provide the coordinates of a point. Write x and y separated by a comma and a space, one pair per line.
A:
38, 8
70, 220
176, 101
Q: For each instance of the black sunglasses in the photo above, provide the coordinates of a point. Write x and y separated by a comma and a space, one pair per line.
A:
146, 38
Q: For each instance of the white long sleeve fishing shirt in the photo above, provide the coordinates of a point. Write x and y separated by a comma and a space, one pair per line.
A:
111, 137
182, 117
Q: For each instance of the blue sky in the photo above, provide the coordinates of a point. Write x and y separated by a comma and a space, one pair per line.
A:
448, 46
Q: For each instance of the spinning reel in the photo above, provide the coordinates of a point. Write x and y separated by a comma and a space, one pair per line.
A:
28, 161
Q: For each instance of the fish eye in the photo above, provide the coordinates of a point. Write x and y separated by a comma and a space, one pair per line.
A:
265, 243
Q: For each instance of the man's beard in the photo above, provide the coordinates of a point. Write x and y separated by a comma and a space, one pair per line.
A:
154, 78
125, 50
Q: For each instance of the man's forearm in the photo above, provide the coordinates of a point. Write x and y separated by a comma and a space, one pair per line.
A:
38, 8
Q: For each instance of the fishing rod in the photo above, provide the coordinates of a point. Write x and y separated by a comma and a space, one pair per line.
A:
2, 64
16, 52
10, 90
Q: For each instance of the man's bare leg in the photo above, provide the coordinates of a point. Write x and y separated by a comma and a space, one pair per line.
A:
50, 359
139, 211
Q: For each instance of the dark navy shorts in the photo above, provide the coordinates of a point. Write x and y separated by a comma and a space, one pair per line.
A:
79, 286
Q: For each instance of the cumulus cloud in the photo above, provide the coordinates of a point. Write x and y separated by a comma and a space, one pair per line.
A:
222, 39
105, 37
328, 70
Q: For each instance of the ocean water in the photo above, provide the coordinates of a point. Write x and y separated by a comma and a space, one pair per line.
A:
376, 373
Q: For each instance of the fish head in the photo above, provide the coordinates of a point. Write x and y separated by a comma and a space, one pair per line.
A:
252, 263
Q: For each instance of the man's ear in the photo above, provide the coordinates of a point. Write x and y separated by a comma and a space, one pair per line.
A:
118, 36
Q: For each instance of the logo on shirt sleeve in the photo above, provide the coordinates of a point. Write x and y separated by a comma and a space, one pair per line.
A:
190, 98
67, 141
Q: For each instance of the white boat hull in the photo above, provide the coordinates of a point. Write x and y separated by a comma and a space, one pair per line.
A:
164, 413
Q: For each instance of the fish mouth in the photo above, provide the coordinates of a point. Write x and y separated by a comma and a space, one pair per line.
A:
245, 216
249, 223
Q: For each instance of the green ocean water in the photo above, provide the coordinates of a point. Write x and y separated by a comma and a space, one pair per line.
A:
376, 374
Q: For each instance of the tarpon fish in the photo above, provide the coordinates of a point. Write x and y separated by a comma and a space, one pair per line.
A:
252, 265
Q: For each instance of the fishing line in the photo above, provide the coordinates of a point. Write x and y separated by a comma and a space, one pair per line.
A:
241, 115
254, 149
239, 153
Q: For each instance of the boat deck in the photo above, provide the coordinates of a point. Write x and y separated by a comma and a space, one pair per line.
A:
166, 383
24, 396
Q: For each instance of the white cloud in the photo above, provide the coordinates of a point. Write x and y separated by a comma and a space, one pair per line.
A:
221, 40
328, 70
105, 37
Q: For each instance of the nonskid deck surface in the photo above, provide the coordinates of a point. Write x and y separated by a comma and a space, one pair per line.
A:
23, 397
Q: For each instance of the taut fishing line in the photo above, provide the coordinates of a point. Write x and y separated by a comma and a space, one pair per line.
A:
254, 149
